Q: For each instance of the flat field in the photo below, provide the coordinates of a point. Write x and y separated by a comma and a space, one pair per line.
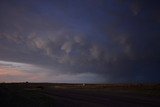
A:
79, 95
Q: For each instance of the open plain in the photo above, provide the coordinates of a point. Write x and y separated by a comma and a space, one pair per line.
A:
79, 95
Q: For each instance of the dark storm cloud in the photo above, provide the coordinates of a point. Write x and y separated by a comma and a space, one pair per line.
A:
113, 41
136, 7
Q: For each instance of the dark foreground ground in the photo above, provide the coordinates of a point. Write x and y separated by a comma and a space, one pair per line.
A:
78, 95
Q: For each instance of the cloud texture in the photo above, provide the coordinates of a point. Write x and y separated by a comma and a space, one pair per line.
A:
80, 41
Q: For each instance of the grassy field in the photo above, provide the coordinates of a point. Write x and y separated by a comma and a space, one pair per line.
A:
30, 94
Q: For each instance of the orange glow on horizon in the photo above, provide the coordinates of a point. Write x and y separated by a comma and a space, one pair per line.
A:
11, 72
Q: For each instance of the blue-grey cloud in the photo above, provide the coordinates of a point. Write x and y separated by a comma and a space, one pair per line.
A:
113, 41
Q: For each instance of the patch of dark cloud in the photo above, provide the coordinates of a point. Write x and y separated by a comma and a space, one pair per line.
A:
120, 46
14, 37
136, 7
131, 39
67, 47
76, 58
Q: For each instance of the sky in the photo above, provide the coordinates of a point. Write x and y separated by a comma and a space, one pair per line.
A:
80, 41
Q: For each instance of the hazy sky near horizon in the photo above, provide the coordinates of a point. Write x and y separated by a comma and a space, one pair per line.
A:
93, 41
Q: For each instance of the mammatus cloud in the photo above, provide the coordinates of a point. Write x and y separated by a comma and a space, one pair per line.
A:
65, 59
40, 44
126, 44
136, 7
67, 47
79, 41
14, 37
95, 52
